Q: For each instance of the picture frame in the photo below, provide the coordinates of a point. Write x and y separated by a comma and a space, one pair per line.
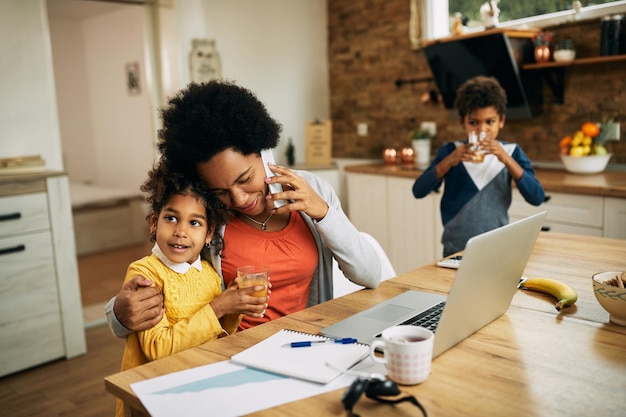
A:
132, 78
204, 61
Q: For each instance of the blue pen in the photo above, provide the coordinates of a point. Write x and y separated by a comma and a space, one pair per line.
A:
344, 341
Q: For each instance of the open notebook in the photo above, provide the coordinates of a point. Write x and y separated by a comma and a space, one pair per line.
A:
318, 363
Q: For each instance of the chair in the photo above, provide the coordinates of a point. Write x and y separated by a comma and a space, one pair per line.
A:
343, 286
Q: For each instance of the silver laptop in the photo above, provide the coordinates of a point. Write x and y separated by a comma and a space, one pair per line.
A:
483, 288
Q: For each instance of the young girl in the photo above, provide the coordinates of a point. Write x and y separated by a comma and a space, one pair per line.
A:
182, 221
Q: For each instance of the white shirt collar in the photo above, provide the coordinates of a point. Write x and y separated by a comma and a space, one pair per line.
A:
180, 268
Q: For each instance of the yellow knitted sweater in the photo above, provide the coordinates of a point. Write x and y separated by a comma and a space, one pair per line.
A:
189, 320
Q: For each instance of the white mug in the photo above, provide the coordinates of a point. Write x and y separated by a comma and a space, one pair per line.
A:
408, 353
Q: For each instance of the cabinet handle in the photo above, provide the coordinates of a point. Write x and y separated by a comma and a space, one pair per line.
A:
13, 249
11, 216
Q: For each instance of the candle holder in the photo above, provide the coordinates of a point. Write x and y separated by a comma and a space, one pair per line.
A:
390, 156
407, 156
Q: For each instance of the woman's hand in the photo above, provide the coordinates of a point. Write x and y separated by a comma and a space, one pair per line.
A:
298, 194
139, 304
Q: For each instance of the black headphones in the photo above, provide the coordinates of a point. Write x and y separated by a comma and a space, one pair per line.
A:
374, 389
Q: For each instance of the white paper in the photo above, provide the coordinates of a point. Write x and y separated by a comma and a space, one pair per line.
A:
227, 389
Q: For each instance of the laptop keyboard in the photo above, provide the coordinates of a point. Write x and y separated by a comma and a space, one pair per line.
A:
428, 318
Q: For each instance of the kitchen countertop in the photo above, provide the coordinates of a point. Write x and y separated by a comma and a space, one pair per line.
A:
605, 184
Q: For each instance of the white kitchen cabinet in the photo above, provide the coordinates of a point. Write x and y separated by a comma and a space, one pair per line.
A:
40, 306
415, 225
615, 217
367, 203
408, 229
567, 213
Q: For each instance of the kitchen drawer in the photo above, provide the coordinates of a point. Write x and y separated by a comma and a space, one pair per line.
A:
31, 330
615, 217
23, 214
564, 228
40, 309
29, 342
27, 277
583, 210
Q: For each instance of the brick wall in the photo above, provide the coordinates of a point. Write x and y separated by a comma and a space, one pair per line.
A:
369, 50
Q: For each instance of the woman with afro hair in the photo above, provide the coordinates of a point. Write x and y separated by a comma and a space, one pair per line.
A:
216, 131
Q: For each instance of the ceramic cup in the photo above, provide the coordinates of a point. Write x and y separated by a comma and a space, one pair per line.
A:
408, 353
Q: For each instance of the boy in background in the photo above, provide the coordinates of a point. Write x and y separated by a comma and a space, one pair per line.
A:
478, 192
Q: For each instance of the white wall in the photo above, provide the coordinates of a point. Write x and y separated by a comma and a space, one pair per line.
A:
107, 133
28, 113
123, 133
276, 48
73, 99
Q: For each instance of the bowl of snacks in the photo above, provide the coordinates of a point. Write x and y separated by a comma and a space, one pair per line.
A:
609, 290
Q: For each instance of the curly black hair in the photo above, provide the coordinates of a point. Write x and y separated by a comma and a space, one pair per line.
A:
480, 92
163, 183
206, 119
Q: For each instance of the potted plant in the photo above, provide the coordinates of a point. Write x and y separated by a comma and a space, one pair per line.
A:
421, 139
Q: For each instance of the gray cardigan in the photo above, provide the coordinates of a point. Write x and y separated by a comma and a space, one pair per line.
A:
335, 236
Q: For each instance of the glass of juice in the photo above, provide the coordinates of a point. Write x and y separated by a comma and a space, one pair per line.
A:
474, 139
252, 276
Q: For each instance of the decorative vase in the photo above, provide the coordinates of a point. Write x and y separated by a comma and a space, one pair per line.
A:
422, 152
542, 53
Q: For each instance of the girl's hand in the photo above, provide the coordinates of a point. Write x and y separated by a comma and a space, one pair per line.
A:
298, 194
235, 300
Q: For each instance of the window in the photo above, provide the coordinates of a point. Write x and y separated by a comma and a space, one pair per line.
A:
514, 10
431, 19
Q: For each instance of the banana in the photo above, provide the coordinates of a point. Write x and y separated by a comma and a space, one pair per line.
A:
564, 294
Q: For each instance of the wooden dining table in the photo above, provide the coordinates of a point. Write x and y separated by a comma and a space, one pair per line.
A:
531, 361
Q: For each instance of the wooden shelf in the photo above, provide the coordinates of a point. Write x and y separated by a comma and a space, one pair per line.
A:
580, 61
554, 72
511, 33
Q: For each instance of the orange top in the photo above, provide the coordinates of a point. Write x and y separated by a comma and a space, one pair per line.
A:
291, 255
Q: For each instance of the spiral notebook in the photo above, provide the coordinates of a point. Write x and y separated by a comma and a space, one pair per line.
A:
319, 363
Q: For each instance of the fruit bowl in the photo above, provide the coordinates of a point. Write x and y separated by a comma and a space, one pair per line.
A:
611, 297
591, 164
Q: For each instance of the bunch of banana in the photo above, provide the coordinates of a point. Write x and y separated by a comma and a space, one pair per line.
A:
564, 294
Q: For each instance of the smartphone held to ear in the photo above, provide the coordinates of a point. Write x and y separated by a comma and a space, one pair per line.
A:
268, 157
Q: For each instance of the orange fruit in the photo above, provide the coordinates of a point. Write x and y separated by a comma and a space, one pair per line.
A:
565, 142
590, 129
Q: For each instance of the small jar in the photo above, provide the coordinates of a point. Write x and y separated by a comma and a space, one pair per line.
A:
564, 51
